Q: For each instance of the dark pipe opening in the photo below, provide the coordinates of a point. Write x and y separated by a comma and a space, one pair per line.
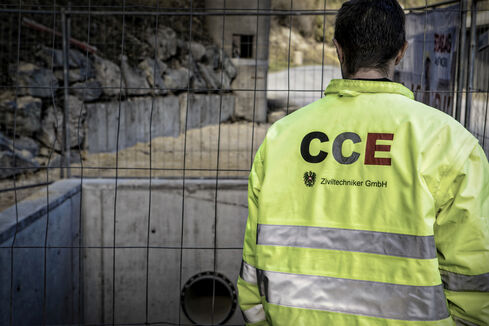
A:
197, 299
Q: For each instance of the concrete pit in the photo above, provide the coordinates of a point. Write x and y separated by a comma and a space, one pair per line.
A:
82, 284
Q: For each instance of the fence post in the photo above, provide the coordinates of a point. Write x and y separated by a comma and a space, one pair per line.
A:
65, 23
461, 61
470, 77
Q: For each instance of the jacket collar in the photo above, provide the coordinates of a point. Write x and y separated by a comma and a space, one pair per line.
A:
351, 87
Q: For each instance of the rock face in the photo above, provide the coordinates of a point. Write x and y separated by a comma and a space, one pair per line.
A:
75, 75
216, 69
52, 126
153, 70
79, 60
215, 79
210, 76
23, 145
76, 121
33, 80
51, 57
165, 42
134, 122
198, 51
217, 59
87, 91
204, 109
109, 75
54, 58
80, 68
184, 48
28, 115
51, 134
177, 79
56, 160
15, 162
5, 143
198, 83
27, 144
212, 56
96, 85
229, 68
274, 116
134, 79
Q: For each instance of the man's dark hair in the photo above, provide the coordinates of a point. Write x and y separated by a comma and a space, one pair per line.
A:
370, 32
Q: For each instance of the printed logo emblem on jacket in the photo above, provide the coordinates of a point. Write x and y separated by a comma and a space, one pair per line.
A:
309, 178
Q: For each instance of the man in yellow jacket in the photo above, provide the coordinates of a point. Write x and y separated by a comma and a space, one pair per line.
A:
366, 207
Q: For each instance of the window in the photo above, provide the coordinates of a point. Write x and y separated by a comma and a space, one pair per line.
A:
242, 46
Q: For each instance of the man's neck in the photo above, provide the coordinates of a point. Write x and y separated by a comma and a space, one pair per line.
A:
369, 74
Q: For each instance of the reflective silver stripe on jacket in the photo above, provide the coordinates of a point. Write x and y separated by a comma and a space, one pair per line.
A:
254, 314
460, 282
383, 300
462, 322
248, 273
392, 244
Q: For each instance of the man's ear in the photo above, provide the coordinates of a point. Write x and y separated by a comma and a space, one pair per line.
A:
402, 52
339, 51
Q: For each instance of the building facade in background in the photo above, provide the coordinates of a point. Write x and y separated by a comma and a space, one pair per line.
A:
245, 40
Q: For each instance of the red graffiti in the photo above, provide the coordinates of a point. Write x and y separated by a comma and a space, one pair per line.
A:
443, 43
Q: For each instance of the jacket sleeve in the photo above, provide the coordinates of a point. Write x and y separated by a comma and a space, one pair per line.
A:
462, 239
248, 292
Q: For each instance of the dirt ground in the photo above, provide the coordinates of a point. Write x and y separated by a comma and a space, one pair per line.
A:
235, 149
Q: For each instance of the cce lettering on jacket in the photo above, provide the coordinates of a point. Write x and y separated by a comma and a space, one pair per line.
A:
370, 148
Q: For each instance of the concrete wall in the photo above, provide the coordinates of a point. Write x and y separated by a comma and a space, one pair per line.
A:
132, 211
135, 117
62, 262
250, 104
204, 110
170, 267
168, 118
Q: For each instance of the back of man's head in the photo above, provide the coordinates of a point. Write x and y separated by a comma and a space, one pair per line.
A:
370, 32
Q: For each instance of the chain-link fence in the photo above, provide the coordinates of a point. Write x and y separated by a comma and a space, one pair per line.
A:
128, 129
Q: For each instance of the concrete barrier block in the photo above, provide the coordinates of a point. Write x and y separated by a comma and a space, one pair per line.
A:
59, 286
93, 285
205, 109
59, 230
132, 217
163, 302
5, 281
166, 223
231, 224
130, 285
198, 222
133, 118
28, 286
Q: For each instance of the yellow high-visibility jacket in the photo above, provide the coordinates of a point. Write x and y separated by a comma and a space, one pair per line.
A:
367, 208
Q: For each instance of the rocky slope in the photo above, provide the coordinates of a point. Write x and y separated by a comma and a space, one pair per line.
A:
34, 109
